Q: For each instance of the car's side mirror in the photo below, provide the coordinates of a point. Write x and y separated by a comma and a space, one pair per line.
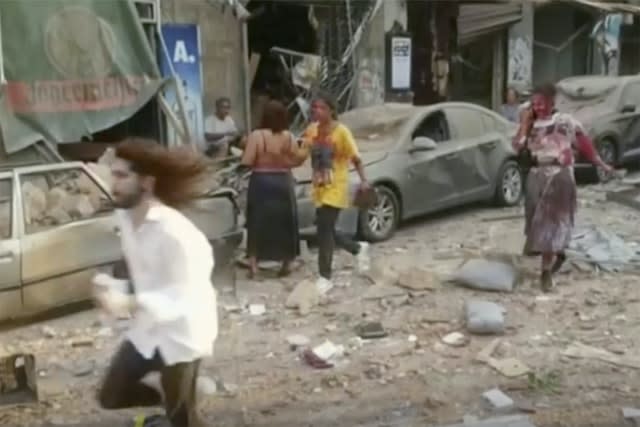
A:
629, 108
422, 143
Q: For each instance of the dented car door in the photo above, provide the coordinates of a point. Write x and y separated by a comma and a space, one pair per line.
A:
476, 147
68, 232
431, 173
10, 292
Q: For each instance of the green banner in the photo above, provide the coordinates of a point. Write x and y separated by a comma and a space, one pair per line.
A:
72, 68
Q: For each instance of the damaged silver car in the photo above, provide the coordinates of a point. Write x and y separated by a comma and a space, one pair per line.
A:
609, 109
421, 160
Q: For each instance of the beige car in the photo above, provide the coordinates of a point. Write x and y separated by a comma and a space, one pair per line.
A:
57, 230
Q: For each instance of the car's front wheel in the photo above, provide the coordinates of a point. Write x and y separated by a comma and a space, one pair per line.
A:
509, 189
380, 222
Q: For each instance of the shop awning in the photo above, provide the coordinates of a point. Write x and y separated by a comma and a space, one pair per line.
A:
477, 19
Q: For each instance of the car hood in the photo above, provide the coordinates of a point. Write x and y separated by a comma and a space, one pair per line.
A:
302, 174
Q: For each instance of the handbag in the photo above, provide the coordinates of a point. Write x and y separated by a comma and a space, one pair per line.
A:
365, 198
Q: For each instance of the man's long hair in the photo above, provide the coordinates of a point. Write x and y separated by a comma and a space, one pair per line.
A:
180, 173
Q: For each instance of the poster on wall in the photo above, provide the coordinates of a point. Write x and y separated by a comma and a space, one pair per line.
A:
184, 51
400, 63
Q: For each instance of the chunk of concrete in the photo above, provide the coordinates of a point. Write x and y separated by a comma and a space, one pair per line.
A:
487, 275
498, 399
484, 317
35, 203
631, 413
303, 297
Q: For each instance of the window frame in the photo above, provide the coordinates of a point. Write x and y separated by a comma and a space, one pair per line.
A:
479, 114
443, 116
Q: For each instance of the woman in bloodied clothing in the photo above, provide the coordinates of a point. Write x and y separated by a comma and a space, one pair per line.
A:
548, 139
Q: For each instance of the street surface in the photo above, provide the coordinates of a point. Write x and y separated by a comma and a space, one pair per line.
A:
409, 378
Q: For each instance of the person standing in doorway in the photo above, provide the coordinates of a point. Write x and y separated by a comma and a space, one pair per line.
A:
170, 262
333, 150
220, 130
510, 110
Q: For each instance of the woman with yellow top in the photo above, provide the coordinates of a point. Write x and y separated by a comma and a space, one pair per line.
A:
332, 149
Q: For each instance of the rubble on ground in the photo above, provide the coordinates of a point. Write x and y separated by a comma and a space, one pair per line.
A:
575, 346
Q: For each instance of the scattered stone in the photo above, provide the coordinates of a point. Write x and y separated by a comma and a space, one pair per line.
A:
82, 342
630, 413
498, 399
83, 369
412, 338
371, 330
297, 341
418, 279
509, 367
328, 350
49, 332
487, 275
484, 317
105, 332
304, 296
330, 327
232, 308
486, 353
257, 309
581, 351
455, 339
382, 291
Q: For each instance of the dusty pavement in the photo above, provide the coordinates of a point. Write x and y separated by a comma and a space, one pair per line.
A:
410, 377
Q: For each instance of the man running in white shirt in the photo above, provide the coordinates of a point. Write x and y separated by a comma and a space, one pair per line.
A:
170, 263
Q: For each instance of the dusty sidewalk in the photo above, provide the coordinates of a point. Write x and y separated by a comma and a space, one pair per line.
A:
409, 378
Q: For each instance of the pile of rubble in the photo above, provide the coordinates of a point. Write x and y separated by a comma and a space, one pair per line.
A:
60, 197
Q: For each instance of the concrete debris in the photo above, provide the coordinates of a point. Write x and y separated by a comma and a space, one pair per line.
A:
484, 317
630, 413
328, 350
418, 279
82, 342
303, 297
71, 195
510, 367
487, 352
455, 339
504, 421
603, 249
49, 332
582, 351
371, 330
498, 399
84, 368
35, 203
382, 291
487, 275
257, 309
297, 341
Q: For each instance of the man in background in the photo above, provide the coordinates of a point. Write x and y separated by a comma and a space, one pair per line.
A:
220, 130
